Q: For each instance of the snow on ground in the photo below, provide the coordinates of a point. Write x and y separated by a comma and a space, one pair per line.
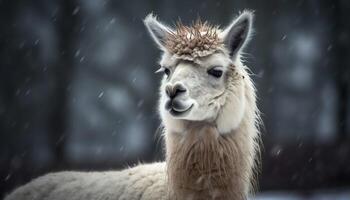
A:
317, 195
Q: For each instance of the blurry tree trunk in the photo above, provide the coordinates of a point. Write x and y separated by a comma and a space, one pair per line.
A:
342, 70
62, 74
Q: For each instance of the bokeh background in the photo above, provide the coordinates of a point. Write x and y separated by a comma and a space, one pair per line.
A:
78, 89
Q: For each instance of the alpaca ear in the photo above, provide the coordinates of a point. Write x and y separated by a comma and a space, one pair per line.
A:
157, 30
237, 34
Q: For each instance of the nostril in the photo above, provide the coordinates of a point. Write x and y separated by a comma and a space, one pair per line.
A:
168, 90
179, 90
172, 92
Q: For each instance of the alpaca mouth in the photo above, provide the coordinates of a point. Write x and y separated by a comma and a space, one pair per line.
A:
177, 108
178, 113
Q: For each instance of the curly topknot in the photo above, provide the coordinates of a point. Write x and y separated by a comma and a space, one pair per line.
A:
190, 42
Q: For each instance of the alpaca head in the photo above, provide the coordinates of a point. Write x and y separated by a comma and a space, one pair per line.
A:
203, 75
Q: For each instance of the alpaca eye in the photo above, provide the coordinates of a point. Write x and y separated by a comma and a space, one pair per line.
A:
217, 73
166, 71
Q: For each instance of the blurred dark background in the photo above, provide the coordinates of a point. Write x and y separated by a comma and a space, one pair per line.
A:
78, 92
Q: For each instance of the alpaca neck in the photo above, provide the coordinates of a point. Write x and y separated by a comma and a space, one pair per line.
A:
202, 164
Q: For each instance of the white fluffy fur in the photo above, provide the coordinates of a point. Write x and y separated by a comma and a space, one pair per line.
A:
146, 182
230, 106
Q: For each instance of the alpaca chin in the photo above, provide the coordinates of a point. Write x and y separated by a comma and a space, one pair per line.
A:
169, 122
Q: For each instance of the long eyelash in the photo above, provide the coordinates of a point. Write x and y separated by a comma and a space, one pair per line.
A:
161, 69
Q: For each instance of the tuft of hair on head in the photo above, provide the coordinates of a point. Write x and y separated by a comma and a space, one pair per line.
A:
201, 38
197, 40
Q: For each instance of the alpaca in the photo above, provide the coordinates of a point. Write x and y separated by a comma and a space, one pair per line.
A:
210, 119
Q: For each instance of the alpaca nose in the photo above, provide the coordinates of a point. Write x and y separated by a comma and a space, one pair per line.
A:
174, 90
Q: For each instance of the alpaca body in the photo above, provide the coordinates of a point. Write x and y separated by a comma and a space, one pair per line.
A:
210, 118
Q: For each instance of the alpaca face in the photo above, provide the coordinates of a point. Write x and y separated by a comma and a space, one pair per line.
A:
194, 90
202, 72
